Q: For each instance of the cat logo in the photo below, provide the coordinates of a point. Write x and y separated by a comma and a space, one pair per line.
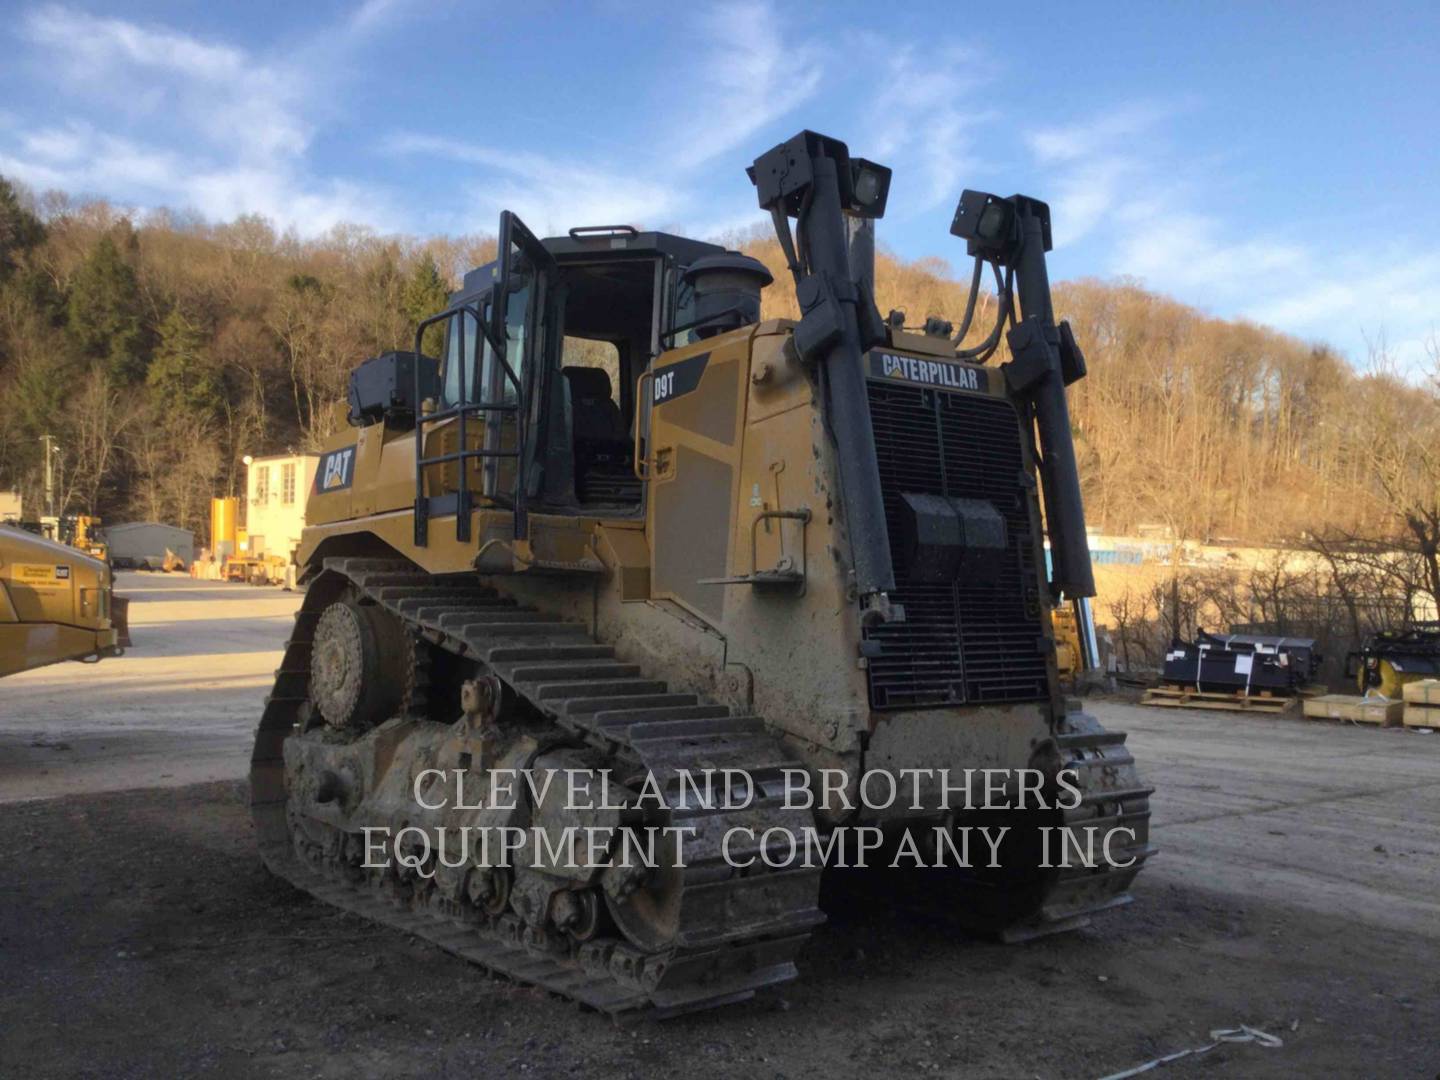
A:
335, 470
936, 373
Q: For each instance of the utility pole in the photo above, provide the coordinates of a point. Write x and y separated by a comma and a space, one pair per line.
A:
50, 451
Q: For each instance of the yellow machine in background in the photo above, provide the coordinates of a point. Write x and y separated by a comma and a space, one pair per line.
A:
1388, 659
80, 531
87, 538
1068, 663
261, 556
230, 545
56, 603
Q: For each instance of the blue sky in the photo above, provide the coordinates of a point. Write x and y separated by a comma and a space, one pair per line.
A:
1278, 162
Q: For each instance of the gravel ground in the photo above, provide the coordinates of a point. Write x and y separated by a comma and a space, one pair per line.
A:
1297, 890
178, 708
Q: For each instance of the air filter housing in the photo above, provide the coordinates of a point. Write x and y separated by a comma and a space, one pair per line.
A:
727, 291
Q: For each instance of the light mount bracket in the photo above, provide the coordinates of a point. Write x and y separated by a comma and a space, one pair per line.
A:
784, 175
993, 228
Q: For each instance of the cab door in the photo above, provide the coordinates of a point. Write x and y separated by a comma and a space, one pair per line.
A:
477, 442
522, 313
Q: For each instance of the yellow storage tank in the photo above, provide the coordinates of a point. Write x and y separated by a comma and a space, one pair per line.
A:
224, 527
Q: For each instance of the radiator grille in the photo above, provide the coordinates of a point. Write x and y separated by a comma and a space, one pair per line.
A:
981, 642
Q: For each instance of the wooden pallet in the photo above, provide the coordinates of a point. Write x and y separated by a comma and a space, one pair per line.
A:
1180, 697
1422, 692
1426, 716
1378, 711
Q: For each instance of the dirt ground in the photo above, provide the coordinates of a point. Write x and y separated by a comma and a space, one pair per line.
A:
1297, 890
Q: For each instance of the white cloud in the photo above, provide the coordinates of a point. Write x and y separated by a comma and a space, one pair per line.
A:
921, 120
751, 74
1097, 134
160, 116
222, 131
372, 13
1117, 170
550, 194
226, 96
80, 159
83, 43
1098, 166
1188, 253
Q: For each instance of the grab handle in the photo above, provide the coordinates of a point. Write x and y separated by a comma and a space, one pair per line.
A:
642, 416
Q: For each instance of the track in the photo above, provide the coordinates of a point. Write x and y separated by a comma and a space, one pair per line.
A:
1112, 798
737, 933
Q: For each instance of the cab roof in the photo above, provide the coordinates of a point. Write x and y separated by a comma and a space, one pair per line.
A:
584, 244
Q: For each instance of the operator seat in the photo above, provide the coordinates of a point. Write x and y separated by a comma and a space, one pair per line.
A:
602, 452
597, 417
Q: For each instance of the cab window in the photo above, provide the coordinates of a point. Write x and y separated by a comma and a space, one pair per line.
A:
474, 376
517, 315
604, 356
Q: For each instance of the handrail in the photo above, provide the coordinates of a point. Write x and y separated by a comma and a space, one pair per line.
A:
600, 232
459, 412
641, 415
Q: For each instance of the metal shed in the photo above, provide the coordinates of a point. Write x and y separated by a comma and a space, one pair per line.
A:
140, 543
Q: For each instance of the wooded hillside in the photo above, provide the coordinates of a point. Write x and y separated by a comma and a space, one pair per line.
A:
159, 351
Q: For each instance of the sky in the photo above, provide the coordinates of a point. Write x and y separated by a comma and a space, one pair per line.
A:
1277, 162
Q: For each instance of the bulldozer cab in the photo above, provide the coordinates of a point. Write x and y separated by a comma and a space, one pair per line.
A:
538, 406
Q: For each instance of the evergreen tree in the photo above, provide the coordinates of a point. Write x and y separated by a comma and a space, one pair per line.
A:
37, 289
37, 397
19, 229
426, 294
106, 312
183, 379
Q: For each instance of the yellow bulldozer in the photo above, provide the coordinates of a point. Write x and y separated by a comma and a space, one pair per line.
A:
1068, 656
56, 603
624, 528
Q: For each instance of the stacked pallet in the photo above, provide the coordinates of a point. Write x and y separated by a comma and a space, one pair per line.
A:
1422, 704
1360, 710
1187, 697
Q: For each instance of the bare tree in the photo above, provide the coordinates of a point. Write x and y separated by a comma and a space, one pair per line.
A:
101, 415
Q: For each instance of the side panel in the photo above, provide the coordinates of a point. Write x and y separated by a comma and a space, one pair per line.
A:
369, 448
799, 644
331, 495
381, 474
698, 407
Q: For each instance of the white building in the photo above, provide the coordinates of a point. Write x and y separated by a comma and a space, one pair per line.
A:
10, 507
276, 488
